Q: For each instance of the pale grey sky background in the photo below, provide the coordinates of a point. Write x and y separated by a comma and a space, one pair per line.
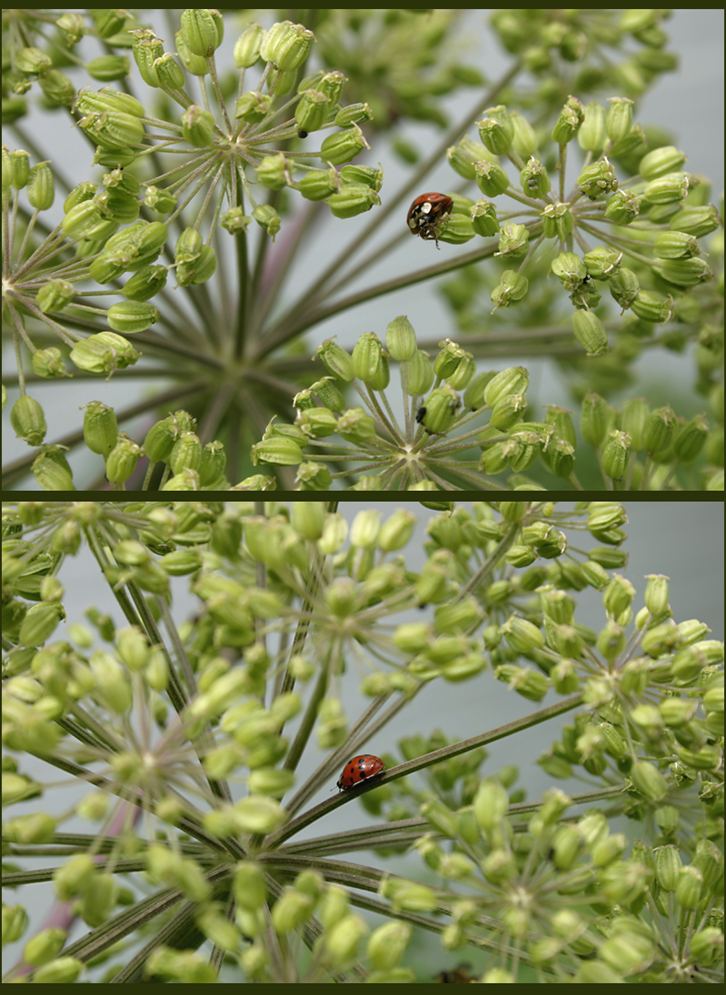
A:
689, 102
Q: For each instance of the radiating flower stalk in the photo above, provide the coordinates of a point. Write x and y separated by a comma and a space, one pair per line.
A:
137, 278
462, 428
190, 741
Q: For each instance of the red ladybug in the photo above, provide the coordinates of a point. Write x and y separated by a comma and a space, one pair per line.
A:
359, 769
426, 214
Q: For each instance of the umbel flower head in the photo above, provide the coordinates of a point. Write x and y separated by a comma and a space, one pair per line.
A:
183, 854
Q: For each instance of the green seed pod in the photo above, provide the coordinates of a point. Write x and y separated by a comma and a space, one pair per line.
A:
513, 380
483, 214
62, 970
268, 219
496, 130
252, 106
286, 45
352, 199
202, 30
660, 162
273, 171
513, 240
557, 221
342, 146
121, 461
336, 360
277, 450
169, 75
146, 283
104, 353
569, 269
313, 111
401, 339
589, 332
569, 121
186, 453
41, 189
535, 179
490, 177
619, 119
107, 68
706, 946
247, 47
615, 455
689, 889
197, 126
366, 175
624, 287
417, 374
353, 114
197, 65
317, 184
648, 780
683, 272
48, 363
146, 49
28, 420
524, 139
369, 361
623, 207
456, 229
597, 179
593, 133
129, 317
690, 439
669, 189
698, 221
40, 622
100, 430
82, 220
440, 410
317, 422
659, 430
32, 61
652, 306
464, 156
602, 262
675, 245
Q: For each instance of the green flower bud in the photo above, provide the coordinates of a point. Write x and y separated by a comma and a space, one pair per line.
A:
454, 364
108, 67
652, 306
32, 61
186, 453
100, 430
496, 130
624, 287
387, 944
615, 454
512, 287
313, 111
369, 361
28, 420
569, 121
513, 380
356, 425
593, 133
57, 88
408, 896
589, 332
252, 106
675, 245
619, 118
202, 30
569, 269
54, 296
597, 179
697, 221
83, 220
602, 262
146, 49
48, 363
490, 177
247, 47
41, 189
113, 130
272, 171
508, 411
352, 199
513, 239
286, 45
342, 146
14, 922
121, 461
249, 886
170, 78
26, 829
440, 410
417, 374
19, 168
352, 114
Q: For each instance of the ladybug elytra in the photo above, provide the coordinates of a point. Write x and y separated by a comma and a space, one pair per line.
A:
359, 769
426, 214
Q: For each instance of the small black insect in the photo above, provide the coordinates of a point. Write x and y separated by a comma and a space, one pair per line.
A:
302, 134
421, 414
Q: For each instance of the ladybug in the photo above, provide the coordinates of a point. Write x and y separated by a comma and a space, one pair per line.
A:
359, 769
426, 214
459, 975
